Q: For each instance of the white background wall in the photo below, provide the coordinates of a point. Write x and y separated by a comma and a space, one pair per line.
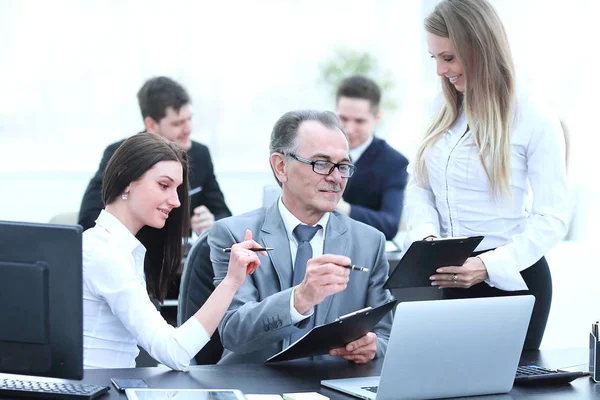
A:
69, 72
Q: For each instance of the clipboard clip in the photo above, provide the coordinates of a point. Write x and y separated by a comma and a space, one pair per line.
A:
353, 313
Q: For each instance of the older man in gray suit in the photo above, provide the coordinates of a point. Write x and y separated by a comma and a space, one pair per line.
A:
303, 282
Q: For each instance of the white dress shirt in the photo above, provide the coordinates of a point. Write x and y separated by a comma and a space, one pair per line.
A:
457, 200
359, 150
117, 311
290, 222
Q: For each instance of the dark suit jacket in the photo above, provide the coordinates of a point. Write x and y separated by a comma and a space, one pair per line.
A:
201, 174
258, 323
376, 190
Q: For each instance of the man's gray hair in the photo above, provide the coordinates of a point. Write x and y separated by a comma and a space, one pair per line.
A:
285, 132
284, 137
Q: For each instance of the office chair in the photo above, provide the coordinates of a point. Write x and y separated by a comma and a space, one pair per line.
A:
196, 286
65, 218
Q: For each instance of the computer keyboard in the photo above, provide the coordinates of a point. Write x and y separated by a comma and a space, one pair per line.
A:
532, 374
50, 390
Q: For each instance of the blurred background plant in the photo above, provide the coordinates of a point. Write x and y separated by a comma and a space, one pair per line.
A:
345, 62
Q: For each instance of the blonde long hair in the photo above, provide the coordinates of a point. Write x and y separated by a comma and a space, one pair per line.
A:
481, 46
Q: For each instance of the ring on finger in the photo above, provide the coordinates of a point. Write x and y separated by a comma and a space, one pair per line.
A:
455, 279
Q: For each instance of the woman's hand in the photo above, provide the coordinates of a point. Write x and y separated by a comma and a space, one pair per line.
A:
243, 261
472, 272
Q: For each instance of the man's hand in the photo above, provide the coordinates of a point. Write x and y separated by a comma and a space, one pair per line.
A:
325, 275
343, 207
360, 351
202, 219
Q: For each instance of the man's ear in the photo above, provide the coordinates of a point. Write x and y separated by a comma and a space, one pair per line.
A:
279, 166
151, 125
378, 115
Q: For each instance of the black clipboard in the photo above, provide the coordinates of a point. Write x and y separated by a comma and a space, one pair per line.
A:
345, 329
424, 256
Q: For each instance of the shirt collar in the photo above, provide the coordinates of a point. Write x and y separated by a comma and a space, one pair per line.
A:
291, 222
124, 238
358, 151
460, 126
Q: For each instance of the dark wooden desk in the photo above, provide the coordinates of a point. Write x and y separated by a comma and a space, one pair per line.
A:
306, 376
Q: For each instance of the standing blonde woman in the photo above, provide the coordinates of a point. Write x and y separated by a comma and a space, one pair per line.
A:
491, 163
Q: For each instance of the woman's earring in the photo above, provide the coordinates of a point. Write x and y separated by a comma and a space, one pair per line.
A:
124, 196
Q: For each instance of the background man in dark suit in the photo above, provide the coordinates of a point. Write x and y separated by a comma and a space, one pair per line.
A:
375, 193
165, 107
303, 281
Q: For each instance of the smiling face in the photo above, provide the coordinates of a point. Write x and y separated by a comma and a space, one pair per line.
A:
152, 197
307, 194
447, 64
358, 119
174, 126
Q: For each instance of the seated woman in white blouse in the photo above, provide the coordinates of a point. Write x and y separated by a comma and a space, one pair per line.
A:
484, 153
135, 250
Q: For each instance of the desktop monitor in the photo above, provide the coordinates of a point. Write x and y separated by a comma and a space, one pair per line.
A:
41, 321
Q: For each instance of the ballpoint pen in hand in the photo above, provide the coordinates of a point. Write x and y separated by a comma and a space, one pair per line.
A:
228, 249
351, 267
355, 268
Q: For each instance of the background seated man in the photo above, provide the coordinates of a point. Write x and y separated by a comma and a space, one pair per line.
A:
303, 282
165, 107
376, 191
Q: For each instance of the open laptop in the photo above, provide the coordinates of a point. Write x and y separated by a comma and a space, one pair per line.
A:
448, 348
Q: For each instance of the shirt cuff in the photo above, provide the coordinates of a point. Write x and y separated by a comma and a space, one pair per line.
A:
296, 316
192, 336
502, 271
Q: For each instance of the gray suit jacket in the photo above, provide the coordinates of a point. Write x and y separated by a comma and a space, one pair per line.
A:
258, 323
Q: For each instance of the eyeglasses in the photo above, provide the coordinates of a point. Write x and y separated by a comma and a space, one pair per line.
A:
326, 167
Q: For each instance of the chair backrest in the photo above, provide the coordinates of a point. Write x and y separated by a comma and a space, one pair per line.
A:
196, 286
65, 218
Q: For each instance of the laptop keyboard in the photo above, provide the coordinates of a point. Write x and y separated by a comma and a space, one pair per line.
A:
49, 390
532, 374
372, 389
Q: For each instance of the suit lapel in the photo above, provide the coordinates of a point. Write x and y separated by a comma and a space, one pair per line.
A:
275, 236
364, 164
369, 155
335, 243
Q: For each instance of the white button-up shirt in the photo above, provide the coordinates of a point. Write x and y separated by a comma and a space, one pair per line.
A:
457, 200
358, 151
290, 222
117, 311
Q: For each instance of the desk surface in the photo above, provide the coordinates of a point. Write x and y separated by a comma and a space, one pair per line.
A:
306, 376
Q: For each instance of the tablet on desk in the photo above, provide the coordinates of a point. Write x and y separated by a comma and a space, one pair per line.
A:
423, 257
184, 394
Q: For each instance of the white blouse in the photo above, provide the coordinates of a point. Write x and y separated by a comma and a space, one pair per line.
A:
457, 200
117, 311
